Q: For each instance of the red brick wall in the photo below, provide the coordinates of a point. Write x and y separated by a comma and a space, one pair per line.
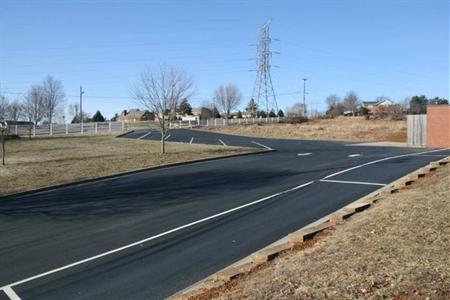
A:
438, 126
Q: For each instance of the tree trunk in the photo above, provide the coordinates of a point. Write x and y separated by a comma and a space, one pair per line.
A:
3, 149
163, 143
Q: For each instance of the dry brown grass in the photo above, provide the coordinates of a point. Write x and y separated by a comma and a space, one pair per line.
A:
43, 162
341, 128
398, 249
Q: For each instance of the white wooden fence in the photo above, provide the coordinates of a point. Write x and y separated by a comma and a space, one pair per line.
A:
417, 130
62, 129
224, 122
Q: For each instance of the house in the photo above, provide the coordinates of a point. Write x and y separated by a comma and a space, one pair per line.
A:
370, 105
136, 115
202, 113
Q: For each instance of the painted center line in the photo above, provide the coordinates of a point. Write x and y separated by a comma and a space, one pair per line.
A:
8, 288
352, 182
141, 137
222, 142
354, 155
304, 154
264, 146
192, 139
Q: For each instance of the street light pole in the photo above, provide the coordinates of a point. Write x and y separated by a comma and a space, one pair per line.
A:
304, 97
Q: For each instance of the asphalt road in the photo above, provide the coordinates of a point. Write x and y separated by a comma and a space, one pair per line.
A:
148, 235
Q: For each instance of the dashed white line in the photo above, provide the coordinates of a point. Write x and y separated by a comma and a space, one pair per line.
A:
383, 159
10, 293
222, 142
304, 154
192, 139
353, 182
141, 137
264, 146
8, 287
354, 155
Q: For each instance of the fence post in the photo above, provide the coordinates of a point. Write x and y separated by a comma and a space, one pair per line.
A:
67, 128
215, 122
96, 127
109, 126
51, 129
123, 126
81, 128
17, 130
34, 129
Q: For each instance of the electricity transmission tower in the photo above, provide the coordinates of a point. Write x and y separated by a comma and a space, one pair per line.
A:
263, 92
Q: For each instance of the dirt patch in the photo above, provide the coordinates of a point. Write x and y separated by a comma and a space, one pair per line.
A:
398, 249
341, 128
43, 162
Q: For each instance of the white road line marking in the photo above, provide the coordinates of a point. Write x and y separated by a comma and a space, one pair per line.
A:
192, 139
167, 137
264, 146
10, 293
354, 155
141, 137
383, 159
222, 142
154, 237
304, 154
352, 182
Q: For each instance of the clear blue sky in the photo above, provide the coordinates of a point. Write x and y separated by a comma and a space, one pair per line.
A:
396, 48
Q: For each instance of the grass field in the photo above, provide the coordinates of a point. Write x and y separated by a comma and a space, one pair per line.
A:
399, 249
43, 162
341, 128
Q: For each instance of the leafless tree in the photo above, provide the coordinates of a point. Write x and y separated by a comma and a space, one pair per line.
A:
351, 101
53, 93
334, 105
227, 98
332, 100
15, 110
4, 131
159, 91
34, 109
4, 106
296, 110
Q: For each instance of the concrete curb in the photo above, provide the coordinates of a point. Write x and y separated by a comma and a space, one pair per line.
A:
298, 237
126, 173
125, 133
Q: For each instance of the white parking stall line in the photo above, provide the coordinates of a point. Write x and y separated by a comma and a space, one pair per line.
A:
304, 154
264, 146
222, 142
192, 139
143, 136
140, 242
167, 137
383, 159
354, 155
352, 182
10, 293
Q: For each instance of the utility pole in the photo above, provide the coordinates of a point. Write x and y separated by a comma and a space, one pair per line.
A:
81, 108
304, 96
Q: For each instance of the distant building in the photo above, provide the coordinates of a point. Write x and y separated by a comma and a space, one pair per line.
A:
370, 105
135, 115
200, 113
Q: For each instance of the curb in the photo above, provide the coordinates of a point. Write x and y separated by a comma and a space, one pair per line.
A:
306, 233
107, 177
125, 133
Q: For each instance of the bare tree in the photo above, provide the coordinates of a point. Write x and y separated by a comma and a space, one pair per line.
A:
227, 98
15, 110
296, 110
351, 101
4, 106
4, 131
159, 91
53, 93
34, 106
334, 105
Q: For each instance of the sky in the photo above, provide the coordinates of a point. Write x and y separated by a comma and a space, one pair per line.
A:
395, 48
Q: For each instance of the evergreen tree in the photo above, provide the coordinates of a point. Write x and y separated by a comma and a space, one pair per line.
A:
272, 114
185, 108
239, 115
98, 117
280, 113
252, 107
262, 114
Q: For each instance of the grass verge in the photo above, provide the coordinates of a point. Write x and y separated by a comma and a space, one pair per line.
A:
398, 249
42, 162
341, 128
